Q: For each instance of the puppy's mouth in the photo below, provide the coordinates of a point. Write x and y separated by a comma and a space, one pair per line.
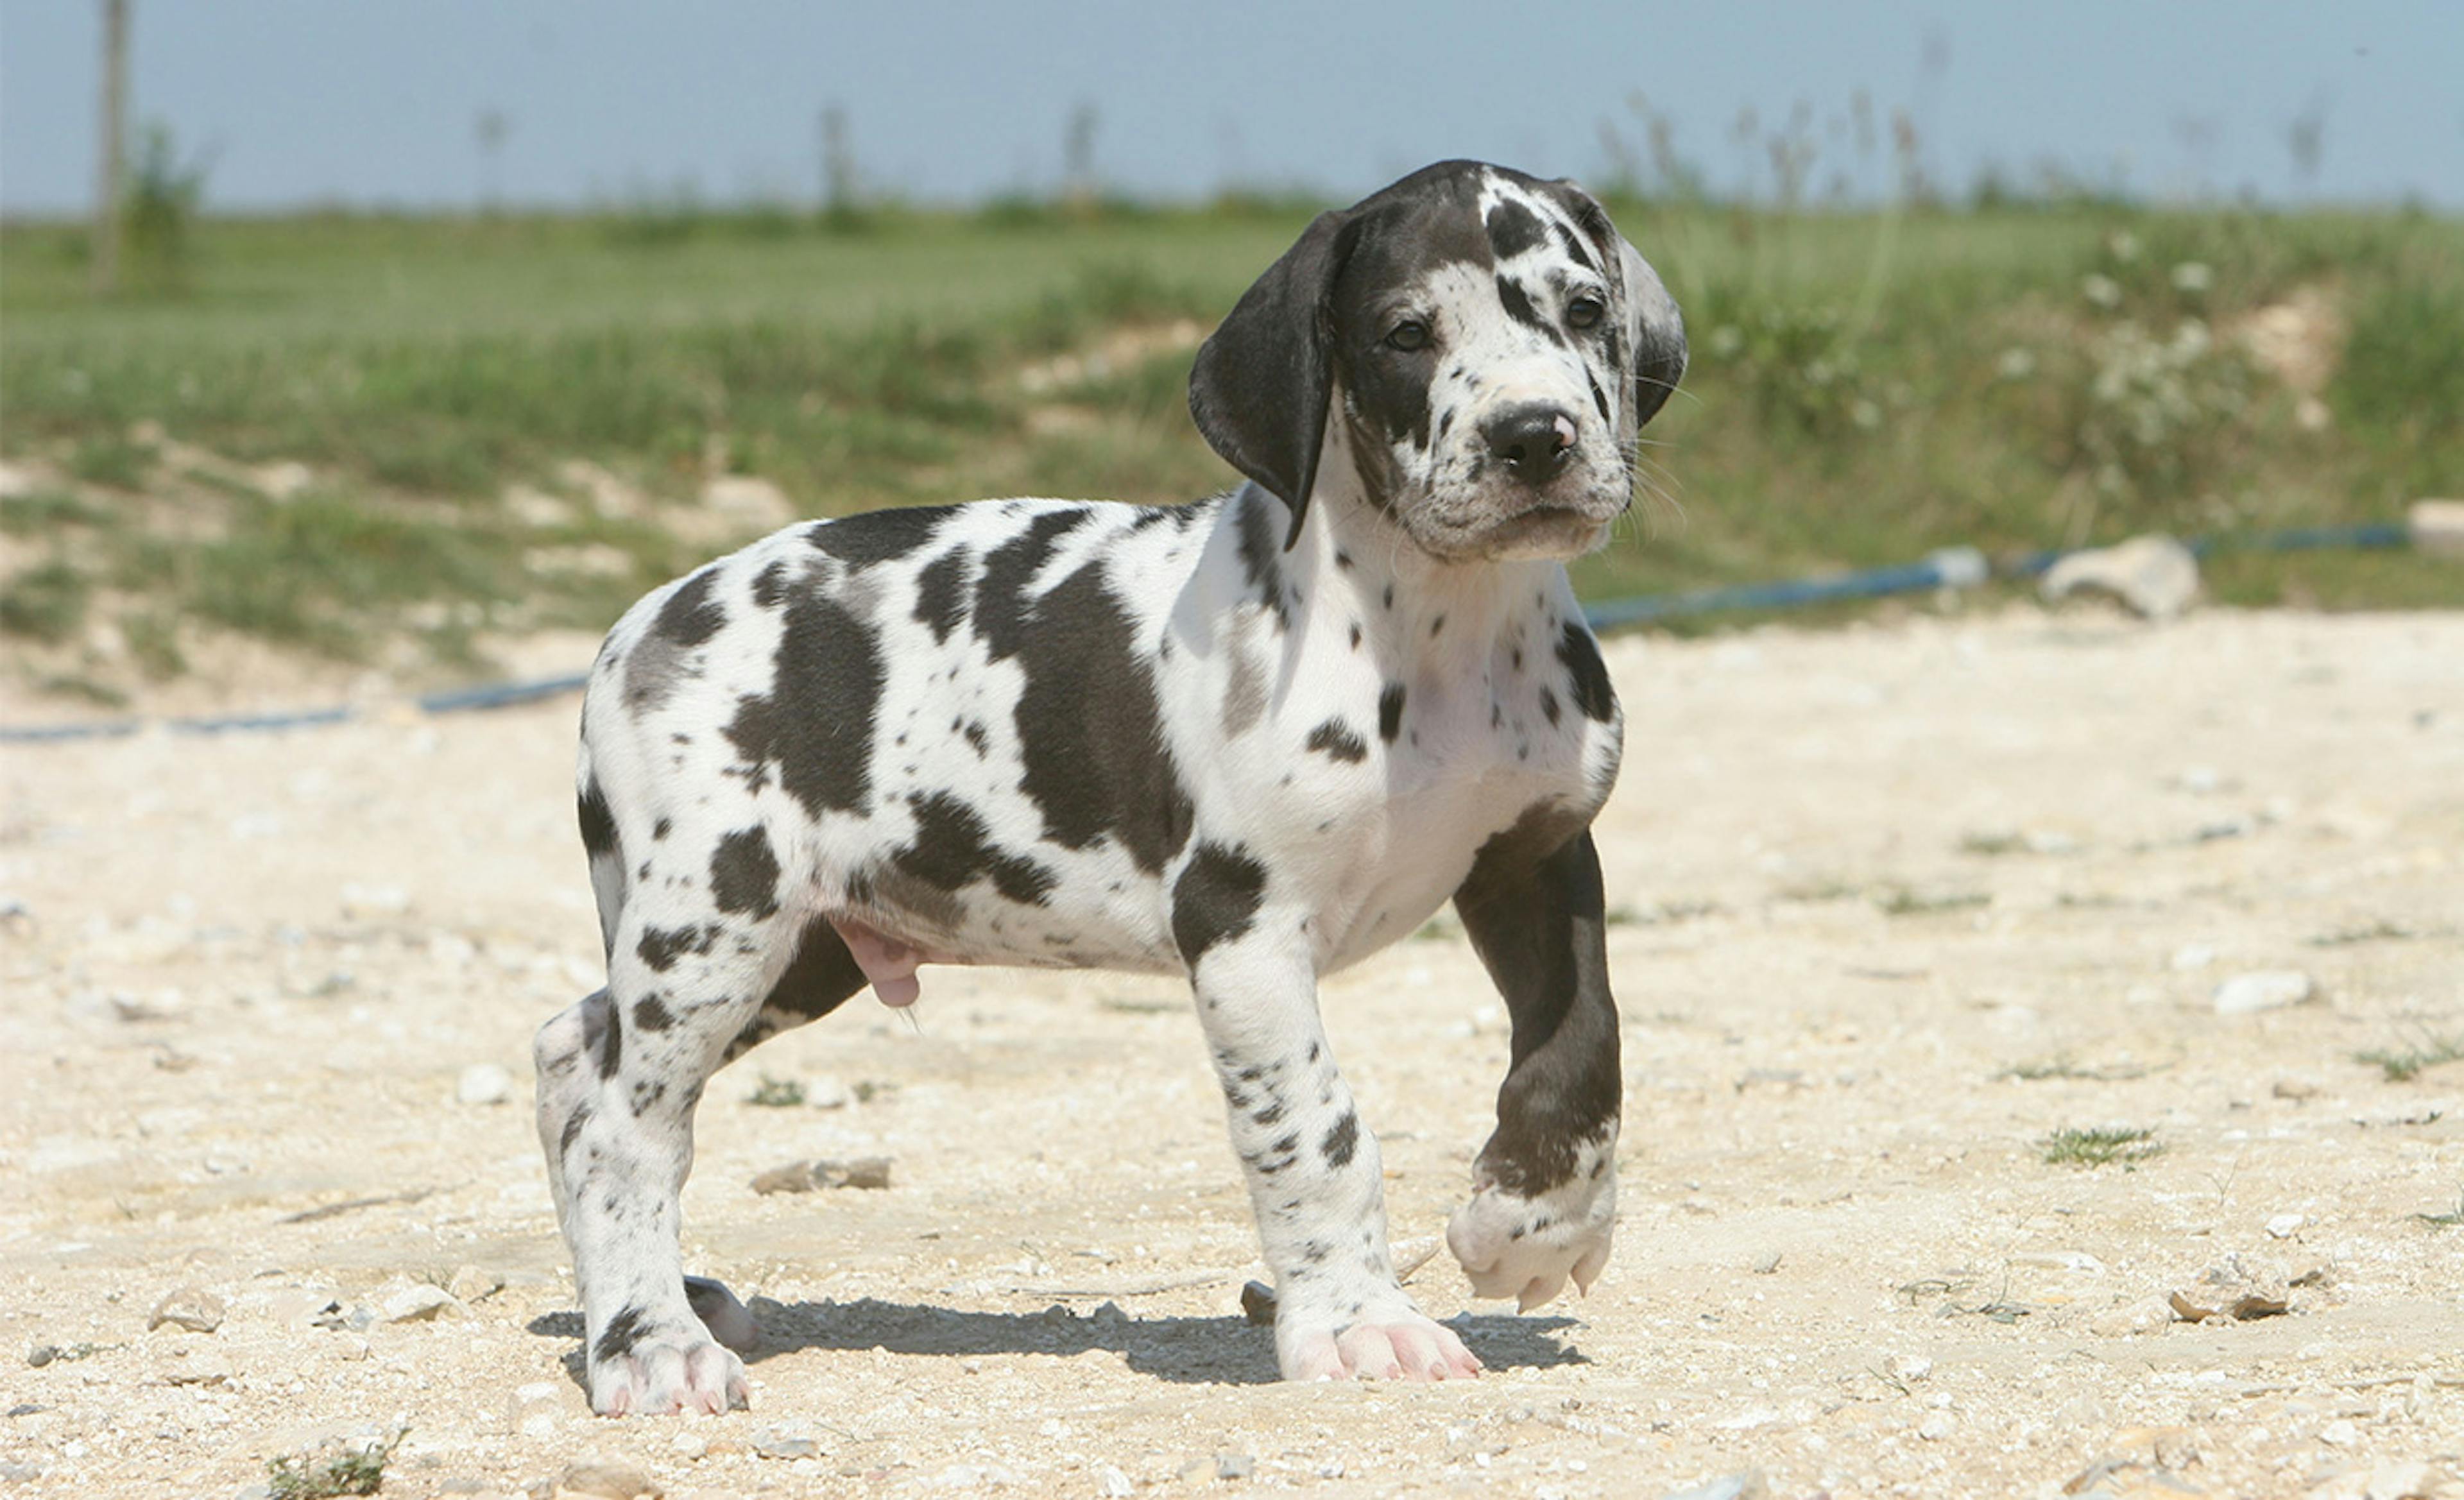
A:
1549, 530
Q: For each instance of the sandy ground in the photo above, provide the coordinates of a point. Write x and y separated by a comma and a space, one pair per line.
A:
1895, 903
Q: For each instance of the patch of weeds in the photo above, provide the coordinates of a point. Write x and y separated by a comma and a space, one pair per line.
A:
1900, 901
1817, 890
776, 1093
2063, 1068
115, 461
46, 1353
2407, 1065
1990, 843
45, 601
347, 1472
68, 684
48, 510
2452, 1219
2379, 931
2101, 1146
153, 639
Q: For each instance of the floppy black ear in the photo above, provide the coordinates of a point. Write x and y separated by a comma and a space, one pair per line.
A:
1259, 387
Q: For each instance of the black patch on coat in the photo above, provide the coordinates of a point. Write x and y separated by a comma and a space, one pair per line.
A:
1517, 303
691, 616
659, 829
978, 739
650, 1014
661, 947
602, 1034
1548, 705
770, 585
1590, 676
744, 873
817, 723
622, 1331
1599, 397
1576, 249
572, 1132
1089, 732
1390, 712
1262, 555
598, 823
941, 593
877, 536
1513, 229
952, 849
1341, 1140
1003, 610
1214, 899
820, 977
1336, 739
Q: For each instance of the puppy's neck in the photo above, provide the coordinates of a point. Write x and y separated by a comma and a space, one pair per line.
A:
1411, 608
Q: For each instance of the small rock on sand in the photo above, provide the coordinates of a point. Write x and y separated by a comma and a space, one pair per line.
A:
192, 1308
2154, 577
2262, 989
484, 1083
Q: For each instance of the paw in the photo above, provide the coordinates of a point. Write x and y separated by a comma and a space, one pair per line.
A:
669, 1373
1388, 1344
1528, 1247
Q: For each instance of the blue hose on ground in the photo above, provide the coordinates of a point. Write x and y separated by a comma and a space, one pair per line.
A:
1953, 567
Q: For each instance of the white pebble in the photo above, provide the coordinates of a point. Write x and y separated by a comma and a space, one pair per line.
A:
484, 1083
2262, 989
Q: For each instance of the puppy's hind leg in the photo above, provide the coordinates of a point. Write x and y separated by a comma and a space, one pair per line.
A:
620, 1076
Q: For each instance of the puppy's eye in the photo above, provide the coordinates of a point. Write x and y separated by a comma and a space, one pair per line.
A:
1586, 312
1409, 336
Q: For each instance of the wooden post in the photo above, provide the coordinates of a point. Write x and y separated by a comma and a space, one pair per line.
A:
114, 159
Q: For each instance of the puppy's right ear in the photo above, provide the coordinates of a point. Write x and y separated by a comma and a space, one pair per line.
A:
1259, 387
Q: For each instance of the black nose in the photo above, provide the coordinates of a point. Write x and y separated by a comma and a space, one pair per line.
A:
1533, 440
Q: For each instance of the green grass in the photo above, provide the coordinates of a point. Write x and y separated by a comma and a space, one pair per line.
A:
344, 1470
1866, 387
2403, 1064
2097, 1147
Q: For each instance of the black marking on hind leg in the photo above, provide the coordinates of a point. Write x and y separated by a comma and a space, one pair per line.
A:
661, 947
598, 823
602, 1034
820, 977
650, 1014
622, 1331
1341, 1140
572, 1131
744, 873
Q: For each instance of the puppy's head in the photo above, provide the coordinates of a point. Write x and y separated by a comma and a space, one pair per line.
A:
1489, 343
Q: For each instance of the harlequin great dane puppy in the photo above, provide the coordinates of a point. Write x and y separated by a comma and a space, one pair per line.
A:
1252, 740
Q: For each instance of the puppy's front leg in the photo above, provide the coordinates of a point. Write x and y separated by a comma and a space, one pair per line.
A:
1312, 1167
1543, 1200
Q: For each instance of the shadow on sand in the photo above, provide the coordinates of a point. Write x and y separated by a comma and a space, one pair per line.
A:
1196, 1351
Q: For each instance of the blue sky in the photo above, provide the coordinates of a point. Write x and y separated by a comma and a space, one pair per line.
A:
299, 101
